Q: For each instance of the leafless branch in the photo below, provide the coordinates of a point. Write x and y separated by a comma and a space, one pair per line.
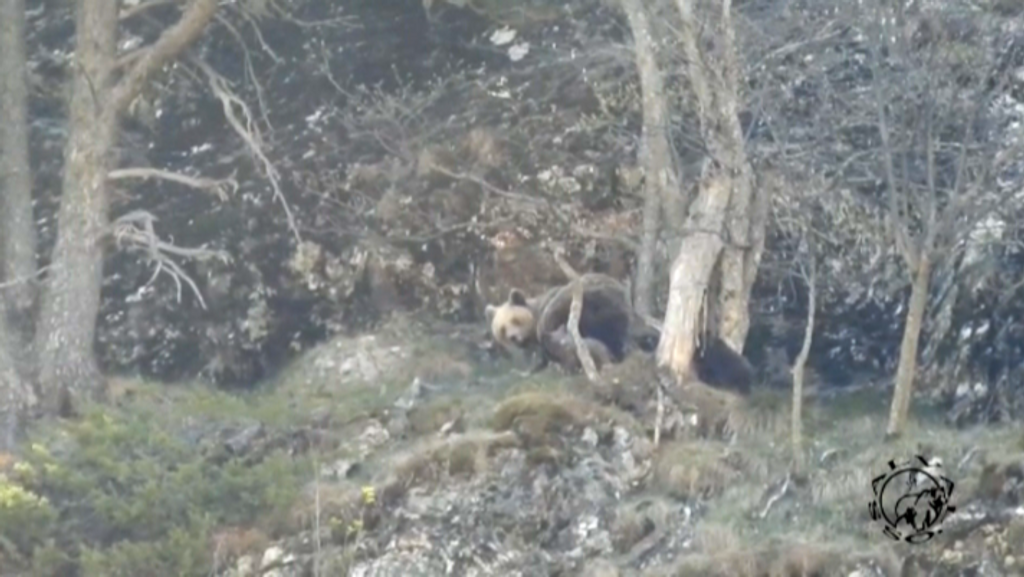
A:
138, 9
486, 185
222, 187
250, 134
137, 231
250, 71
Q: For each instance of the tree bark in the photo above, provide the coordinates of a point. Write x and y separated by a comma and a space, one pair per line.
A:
661, 183
67, 320
726, 174
17, 229
740, 258
72, 299
17, 397
907, 368
691, 275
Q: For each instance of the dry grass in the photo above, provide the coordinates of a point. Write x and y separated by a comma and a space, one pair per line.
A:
765, 413
822, 527
697, 469
539, 416
725, 554
428, 462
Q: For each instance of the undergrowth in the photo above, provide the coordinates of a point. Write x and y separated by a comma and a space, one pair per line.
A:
133, 491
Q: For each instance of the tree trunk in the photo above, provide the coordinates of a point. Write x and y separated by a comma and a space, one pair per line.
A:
726, 174
660, 182
691, 274
16, 395
17, 228
67, 320
740, 258
796, 424
907, 368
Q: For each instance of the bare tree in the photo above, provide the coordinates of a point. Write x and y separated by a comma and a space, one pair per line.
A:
941, 172
722, 229
808, 271
656, 157
67, 320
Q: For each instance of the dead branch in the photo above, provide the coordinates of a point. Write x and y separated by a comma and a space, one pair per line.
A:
136, 229
25, 279
133, 11
250, 70
573, 324
221, 187
250, 134
172, 42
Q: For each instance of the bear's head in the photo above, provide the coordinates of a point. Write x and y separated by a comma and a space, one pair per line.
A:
513, 322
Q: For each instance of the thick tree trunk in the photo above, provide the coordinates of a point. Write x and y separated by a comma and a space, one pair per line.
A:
17, 229
740, 258
16, 395
907, 368
691, 274
713, 77
67, 321
661, 184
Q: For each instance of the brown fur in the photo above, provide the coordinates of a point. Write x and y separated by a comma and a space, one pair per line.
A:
528, 323
560, 347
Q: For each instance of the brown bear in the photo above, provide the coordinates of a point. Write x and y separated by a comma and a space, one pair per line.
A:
609, 328
527, 323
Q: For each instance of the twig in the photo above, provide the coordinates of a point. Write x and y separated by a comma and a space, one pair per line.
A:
486, 185
25, 279
222, 187
143, 7
136, 228
249, 134
659, 416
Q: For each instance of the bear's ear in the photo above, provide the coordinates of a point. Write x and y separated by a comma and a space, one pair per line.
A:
489, 312
516, 297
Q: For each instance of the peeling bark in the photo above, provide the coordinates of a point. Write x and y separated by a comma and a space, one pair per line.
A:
722, 226
691, 275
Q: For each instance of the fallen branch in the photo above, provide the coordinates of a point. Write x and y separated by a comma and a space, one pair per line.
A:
573, 325
221, 187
